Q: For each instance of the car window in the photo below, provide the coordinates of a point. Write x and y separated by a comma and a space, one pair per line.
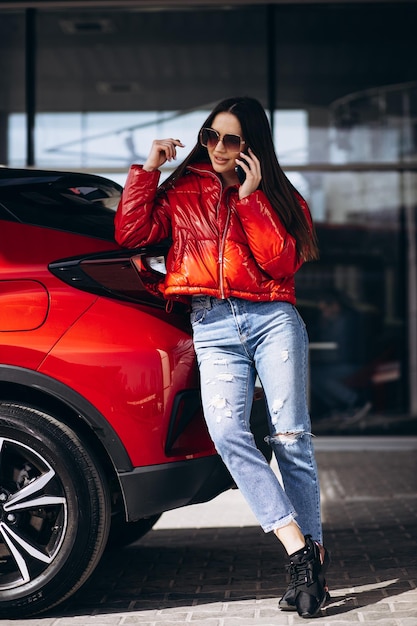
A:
79, 204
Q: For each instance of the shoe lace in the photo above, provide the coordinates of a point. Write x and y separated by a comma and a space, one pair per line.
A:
300, 574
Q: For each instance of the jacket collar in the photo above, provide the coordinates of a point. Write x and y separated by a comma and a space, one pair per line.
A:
205, 169
202, 168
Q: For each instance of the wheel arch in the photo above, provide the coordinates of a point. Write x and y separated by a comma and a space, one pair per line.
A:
24, 386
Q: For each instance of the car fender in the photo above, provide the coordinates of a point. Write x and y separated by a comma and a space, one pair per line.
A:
40, 384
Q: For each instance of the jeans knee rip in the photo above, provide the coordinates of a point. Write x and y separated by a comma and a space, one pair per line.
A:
285, 438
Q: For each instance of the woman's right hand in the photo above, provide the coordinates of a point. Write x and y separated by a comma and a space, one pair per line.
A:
162, 150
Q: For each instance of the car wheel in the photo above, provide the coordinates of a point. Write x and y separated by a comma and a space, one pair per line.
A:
54, 511
123, 533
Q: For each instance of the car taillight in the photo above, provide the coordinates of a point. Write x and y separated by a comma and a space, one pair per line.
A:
132, 275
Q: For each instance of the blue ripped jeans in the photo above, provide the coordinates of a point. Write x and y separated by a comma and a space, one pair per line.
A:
234, 341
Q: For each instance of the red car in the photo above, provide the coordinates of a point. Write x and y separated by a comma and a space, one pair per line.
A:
100, 418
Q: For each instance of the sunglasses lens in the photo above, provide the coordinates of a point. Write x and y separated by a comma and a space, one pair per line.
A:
209, 137
232, 142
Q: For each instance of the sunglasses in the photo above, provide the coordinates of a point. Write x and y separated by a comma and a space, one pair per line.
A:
209, 138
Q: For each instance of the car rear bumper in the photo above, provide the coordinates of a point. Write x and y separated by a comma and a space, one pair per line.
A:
158, 488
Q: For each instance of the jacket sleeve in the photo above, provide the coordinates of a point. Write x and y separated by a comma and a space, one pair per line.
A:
273, 248
143, 216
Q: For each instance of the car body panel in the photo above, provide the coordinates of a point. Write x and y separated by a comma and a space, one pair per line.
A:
24, 255
157, 488
24, 305
129, 361
15, 381
131, 370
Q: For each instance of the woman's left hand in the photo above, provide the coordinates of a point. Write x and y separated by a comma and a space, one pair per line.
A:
252, 168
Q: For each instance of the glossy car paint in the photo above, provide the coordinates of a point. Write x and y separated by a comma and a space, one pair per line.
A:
128, 360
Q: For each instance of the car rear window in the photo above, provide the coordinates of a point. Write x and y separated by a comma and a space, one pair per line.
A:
77, 203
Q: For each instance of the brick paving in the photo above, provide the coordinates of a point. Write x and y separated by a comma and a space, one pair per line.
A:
210, 564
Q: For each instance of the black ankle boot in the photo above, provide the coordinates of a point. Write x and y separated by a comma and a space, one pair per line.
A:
287, 602
307, 591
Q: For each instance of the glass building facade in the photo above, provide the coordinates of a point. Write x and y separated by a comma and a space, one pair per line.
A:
89, 88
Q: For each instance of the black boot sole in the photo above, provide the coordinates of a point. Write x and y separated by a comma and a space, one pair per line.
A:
319, 608
291, 607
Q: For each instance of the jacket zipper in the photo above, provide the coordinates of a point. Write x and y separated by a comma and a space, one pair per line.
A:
221, 252
222, 242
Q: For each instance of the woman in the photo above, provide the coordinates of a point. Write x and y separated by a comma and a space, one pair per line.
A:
236, 248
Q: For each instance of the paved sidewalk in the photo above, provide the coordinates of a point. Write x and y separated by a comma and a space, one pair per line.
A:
210, 565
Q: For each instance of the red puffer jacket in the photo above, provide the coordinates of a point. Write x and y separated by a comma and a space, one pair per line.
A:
222, 246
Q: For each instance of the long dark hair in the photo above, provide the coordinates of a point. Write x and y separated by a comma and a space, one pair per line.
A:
276, 186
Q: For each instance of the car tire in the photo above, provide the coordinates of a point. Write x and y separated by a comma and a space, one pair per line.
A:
54, 511
124, 533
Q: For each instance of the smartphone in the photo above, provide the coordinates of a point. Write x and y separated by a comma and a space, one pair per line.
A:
241, 174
